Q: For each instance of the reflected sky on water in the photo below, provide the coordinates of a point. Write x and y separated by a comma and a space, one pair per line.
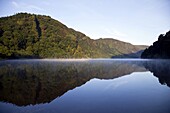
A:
88, 85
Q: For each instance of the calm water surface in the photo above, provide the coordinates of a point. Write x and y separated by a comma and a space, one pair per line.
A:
85, 86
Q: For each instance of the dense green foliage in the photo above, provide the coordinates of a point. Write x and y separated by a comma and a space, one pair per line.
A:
159, 49
35, 36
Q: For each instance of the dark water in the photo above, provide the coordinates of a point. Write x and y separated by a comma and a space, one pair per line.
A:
85, 86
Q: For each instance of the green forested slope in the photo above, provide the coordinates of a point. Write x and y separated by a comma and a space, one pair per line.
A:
37, 36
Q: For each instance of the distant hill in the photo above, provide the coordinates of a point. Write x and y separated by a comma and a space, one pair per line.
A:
159, 49
37, 36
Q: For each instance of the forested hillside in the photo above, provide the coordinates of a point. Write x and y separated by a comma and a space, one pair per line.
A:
37, 36
160, 48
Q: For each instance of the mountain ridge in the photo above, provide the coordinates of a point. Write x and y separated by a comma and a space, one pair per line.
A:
26, 35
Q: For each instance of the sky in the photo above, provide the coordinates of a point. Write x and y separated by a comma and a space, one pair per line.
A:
139, 22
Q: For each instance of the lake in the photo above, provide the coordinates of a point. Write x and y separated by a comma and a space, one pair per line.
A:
85, 86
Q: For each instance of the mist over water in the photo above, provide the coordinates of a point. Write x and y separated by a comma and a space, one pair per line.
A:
85, 85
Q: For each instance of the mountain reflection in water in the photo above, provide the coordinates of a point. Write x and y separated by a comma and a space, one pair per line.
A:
160, 69
25, 82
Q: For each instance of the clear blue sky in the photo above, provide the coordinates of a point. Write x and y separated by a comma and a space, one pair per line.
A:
134, 21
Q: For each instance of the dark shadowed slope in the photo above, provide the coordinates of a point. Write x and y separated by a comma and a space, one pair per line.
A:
159, 49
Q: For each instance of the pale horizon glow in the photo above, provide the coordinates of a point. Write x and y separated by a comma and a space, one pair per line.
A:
139, 22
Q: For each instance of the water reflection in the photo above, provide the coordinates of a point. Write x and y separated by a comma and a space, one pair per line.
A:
28, 82
160, 69
25, 82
